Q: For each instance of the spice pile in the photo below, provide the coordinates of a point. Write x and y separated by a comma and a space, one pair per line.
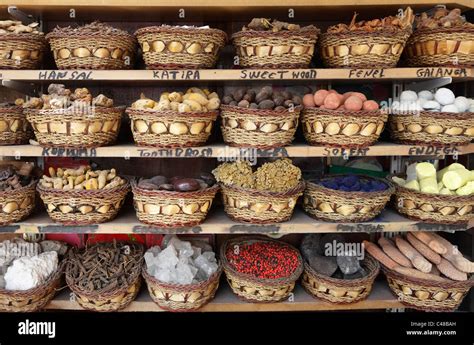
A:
105, 266
264, 24
330, 255
177, 183
442, 18
17, 27
278, 176
81, 178
59, 97
442, 100
422, 255
181, 262
193, 100
391, 23
263, 260
262, 98
353, 183
351, 101
26, 265
455, 179
12, 178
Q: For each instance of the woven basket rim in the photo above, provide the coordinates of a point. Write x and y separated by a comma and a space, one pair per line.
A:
30, 185
78, 193
179, 29
347, 282
165, 193
171, 113
355, 33
468, 29
91, 35
23, 37
183, 287
62, 111
260, 112
448, 284
418, 194
279, 34
98, 293
40, 288
439, 115
256, 192
357, 195
260, 281
344, 113
10, 107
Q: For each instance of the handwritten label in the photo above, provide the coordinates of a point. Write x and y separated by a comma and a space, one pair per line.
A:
64, 152
278, 74
65, 75
441, 227
254, 229
366, 73
177, 75
178, 152
143, 229
360, 227
432, 150
338, 151
440, 72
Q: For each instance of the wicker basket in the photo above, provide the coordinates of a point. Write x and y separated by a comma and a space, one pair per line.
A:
93, 51
172, 209
17, 204
21, 51
258, 128
83, 207
14, 129
441, 47
340, 128
177, 297
170, 128
434, 208
341, 291
108, 301
355, 49
432, 128
283, 49
340, 206
33, 299
94, 127
168, 47
428, 295
254, 289
260, 207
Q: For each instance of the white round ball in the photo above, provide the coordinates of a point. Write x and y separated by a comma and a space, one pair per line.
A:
425, 94
444, 96
431, 105
462, 103
408, 96
450, 108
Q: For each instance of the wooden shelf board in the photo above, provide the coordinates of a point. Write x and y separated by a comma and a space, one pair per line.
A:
226, 75
226, 301
218, 222
224, 151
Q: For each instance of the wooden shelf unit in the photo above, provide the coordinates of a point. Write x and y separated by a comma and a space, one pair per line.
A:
226, 75
224, 151
218, 222
226, 301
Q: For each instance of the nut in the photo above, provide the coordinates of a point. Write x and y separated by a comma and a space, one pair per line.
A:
178, 128
158, 128
152, 209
